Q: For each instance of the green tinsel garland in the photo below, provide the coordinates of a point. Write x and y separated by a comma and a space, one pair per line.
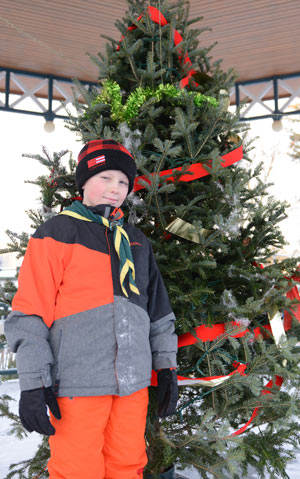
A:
111, 95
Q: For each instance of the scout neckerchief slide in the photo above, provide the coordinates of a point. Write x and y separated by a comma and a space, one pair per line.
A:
121, 241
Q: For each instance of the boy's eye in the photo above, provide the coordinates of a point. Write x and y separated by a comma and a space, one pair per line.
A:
123, 182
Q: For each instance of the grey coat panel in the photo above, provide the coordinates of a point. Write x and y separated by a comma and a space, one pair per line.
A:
106, 350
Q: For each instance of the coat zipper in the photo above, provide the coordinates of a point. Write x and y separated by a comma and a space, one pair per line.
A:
109, 250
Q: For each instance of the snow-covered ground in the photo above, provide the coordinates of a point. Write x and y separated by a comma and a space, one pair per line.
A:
13, 450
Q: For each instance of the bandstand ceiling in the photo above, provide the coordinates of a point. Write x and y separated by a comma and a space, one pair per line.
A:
258, 38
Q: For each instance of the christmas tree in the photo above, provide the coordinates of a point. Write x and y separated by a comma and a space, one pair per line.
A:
214, 230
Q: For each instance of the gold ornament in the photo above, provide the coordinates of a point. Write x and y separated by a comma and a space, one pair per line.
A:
186, 230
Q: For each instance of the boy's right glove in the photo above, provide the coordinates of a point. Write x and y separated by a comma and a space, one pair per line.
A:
167, 392
33, 410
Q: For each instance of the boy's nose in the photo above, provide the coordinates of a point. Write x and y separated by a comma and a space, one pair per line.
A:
114, 186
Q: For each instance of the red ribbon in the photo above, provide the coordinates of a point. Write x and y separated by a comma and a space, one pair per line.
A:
266, 390
198, 171
207, 333
292, 294
195, 171
238, 368
157, 17
210, 333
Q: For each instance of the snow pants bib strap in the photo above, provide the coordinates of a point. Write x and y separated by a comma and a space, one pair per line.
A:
101, 437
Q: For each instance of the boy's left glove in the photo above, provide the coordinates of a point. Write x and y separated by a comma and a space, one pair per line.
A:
167, 392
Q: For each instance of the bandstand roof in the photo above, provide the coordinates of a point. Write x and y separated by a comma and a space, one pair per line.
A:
258, 38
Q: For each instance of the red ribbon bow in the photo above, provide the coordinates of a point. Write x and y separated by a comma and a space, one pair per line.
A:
157, 17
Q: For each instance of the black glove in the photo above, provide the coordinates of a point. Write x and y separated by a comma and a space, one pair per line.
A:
33, 410
167, 392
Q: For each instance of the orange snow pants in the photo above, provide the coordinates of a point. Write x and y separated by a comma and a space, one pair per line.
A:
101, 437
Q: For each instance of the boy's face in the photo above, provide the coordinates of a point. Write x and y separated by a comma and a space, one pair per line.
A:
109, 187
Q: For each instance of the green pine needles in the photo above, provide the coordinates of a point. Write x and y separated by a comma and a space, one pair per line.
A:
217, 279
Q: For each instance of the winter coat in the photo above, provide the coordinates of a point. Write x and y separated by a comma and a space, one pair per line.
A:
71, 324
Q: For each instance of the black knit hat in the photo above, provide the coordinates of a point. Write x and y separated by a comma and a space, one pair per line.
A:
101, 155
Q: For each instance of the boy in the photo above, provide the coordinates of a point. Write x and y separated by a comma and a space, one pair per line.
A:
89, 321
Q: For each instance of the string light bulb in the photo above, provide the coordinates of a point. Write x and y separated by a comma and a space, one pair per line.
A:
49, 126
277, 124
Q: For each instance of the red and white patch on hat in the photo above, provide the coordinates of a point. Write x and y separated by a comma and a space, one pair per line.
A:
99, 160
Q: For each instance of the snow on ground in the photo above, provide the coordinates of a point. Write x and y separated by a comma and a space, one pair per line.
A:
13, 450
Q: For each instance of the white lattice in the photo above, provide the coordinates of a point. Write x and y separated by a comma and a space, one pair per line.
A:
28, 93
256, 98
294, 94
2, 75
68, 98
255, 92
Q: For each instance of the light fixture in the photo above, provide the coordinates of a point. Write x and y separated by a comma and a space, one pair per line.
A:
277, 123
49, 126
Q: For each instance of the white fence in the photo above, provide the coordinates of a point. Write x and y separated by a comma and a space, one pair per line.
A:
7, 359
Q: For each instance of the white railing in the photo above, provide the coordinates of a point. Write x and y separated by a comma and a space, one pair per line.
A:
7, 359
